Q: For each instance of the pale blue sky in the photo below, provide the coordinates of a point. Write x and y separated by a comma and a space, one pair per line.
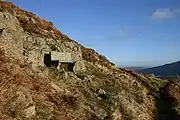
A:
127, 32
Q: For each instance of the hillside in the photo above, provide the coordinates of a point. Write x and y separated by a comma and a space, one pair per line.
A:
172, 70
89, 87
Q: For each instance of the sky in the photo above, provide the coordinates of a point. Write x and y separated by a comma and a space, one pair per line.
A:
127, 32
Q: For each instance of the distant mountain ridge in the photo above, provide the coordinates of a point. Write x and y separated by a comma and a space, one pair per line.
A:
171, 69
135, 68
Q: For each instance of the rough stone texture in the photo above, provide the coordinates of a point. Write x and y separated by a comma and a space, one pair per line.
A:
79, 67
30, 111
63, 57
11, 34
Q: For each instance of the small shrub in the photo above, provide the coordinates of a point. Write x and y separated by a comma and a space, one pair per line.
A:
59, 100
69, 100
2, 9
3, 58
51, 24
92, 56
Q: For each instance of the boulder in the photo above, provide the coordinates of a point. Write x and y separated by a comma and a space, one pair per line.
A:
79, 67
30, 111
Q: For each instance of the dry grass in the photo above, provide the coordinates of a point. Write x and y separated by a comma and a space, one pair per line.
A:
38, 27
19, 90
174, 91
92, 56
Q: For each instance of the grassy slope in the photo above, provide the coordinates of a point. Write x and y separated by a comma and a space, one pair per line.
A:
19, 90
22, 88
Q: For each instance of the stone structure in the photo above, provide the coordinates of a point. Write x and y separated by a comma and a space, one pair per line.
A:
63, 57
60, 60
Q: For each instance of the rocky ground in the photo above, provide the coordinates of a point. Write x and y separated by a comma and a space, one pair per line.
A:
96, 90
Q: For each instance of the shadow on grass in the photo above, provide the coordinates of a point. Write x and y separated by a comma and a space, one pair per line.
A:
164, 105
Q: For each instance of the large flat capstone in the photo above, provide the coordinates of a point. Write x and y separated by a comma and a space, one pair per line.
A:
63, 57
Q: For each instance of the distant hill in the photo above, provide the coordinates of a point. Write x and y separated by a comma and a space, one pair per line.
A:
171, 69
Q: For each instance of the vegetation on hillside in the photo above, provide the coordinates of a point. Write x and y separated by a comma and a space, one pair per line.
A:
96, 94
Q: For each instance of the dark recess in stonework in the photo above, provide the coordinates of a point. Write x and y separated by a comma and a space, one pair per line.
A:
48, 62
1, 30
67, 66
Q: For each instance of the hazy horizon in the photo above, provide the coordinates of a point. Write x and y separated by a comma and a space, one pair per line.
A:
127, 32
144, 64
